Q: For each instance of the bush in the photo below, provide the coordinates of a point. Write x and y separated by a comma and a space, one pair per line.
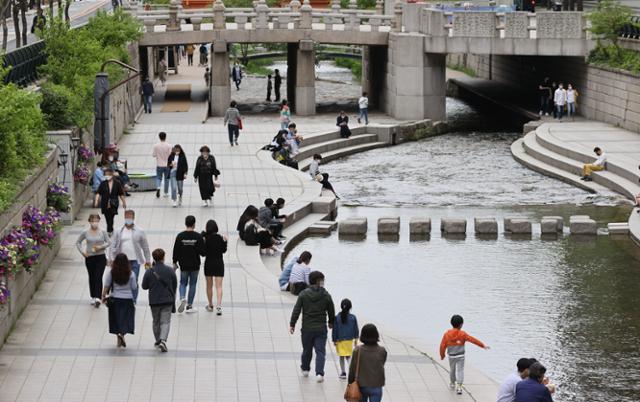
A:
354, 65
361, 4
609, 19
61, 107
616, 57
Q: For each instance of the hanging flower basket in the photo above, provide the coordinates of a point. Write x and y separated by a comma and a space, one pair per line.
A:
85, 154
42, 226
82, 174
58, 197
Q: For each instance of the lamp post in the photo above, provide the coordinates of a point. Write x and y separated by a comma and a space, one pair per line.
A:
62, 161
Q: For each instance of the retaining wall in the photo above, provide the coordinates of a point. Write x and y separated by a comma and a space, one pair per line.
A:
605, 94
22, 288
125, 100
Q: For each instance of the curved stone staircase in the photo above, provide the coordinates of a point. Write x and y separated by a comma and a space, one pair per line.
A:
554, 154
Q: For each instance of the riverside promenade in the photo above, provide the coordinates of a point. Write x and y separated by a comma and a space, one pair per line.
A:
60, 349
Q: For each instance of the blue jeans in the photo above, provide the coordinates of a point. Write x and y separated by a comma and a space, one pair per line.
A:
364, 115
571, 109
135, 267
371, 394
163, 172
176, 185
190, 277
234, 133
559, 111
148, 99
313, 340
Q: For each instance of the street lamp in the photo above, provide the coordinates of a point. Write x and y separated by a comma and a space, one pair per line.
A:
62, 161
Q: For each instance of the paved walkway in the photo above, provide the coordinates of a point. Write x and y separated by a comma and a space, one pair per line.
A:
60, 349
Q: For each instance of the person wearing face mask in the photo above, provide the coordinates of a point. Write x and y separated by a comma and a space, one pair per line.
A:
204, 174
108, 196
560, 99
572, 96
177, 162
96, 242
131, 241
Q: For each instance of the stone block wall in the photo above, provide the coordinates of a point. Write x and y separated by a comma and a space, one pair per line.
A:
22, 288
608, 95
125, 100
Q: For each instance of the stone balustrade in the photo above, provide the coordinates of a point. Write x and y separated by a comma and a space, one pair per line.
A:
176, 18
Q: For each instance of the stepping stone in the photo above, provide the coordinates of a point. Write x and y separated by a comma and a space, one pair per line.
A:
559, 222
353, 226
507, 222
419, 225
323, 227
618, 228
485, 225
453, 226
520, 226
549, 226
582, 226
389, 225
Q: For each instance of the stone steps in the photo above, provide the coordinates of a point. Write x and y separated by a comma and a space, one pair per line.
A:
307, 151
342, 152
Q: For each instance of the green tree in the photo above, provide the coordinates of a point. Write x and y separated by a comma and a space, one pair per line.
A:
609, 19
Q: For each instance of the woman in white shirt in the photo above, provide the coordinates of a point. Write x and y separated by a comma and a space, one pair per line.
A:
299, 279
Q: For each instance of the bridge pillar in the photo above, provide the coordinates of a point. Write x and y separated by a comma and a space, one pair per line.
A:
415, 87
374, 65
305, 79
220, 91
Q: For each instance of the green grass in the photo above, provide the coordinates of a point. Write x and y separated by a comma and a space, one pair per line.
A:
615, 57
354, 65
259, 67
463, 69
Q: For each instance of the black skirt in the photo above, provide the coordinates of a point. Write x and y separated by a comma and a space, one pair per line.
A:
214, 268
122, 316
205, 183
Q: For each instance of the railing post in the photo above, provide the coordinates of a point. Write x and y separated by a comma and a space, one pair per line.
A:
353, 16
149, 25
305, 15
262, 12
218, 15
174, 23
295, 6
379, 7
397, 22
335, 6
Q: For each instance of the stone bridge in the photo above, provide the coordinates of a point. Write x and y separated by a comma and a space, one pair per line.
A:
403, 52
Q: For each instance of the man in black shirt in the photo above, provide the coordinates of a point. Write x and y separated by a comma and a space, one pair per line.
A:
277, 81
544, 90
188, 248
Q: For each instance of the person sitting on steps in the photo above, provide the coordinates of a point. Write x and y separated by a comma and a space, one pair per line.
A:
596, 166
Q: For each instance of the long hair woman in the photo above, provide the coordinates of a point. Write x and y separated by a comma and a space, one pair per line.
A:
371, 358
121, 286
215, 246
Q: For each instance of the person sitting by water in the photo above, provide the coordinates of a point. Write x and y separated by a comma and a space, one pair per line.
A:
507, 391
293, 139
299, 279
285, 275
314, 166
343, 122
268, 220
534, 389
596, 166
253, 234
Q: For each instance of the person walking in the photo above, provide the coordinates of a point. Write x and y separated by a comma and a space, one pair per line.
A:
204, 60
215, 245
161, 151
277, 83
204, 174
345, 335
236, 75
109, 195
560, 99
187, 249
363, 107
190, 50
96, 242
367, 365
233, 121
343, 123
162, 71
161, 282
147, 91
269, 87
207, 78
131, 241
285, 115
453, 343
119, 288
317, 310
572, 97
177, 163
544, 89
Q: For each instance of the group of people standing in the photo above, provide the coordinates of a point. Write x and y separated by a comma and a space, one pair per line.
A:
554, 97
127, 250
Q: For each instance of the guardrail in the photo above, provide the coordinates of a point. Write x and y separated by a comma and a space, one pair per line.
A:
632, 30
24, 62
295, 16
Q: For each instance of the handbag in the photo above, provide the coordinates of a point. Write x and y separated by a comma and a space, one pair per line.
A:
352, 393
240, 124
108, 301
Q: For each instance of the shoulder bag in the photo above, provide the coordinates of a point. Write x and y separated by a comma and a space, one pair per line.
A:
352, 393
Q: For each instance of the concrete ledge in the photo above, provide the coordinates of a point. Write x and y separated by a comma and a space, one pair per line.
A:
621, 228
353, 226
453, 226
389, 225
485, 225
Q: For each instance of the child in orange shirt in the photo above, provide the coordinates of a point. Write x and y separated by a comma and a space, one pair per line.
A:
453, 342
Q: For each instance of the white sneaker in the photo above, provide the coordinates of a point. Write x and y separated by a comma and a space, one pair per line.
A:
459, 389
175, 204
205, 203
319, 378
452, 385
218, 310
182, 305
305, 373
278, 250
209, 308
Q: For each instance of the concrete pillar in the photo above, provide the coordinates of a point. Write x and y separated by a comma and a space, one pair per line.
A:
305, 79
416, 82
292, 63
220, 92
366, 69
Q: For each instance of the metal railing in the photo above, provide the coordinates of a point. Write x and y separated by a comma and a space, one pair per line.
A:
23, 63
632, 30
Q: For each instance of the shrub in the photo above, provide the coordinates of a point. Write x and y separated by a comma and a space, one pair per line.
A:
609, 19
616, 57
354, 65
61, 107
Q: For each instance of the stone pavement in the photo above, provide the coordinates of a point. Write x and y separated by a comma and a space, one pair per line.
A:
60, 349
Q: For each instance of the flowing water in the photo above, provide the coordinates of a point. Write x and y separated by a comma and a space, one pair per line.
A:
325, 70
571, 302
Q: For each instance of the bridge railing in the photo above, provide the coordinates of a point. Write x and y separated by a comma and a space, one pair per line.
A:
488, 24
296, 16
